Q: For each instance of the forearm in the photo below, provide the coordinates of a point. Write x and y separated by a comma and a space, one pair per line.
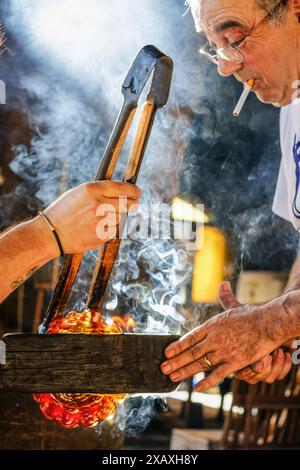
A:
294, 277
23, 250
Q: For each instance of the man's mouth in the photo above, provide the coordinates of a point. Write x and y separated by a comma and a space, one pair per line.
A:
256, 85
247, 80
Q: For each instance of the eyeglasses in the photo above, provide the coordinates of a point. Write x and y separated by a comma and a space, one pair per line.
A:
233, 53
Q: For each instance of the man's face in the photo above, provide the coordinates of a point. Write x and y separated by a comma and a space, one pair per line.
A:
270, 53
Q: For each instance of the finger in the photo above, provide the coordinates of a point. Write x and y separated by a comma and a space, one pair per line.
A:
191, 369
188, 371
185, 342
250, 372
114, 189
245, 374
227, 297
292, 344
277, 366
215, 377
117, 205
265, 367
259, 367
288, 363
261, 377
192, 355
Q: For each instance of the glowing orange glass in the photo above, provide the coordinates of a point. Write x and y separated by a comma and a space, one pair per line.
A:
86, 410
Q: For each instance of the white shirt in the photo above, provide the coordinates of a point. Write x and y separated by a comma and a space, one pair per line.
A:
287, 196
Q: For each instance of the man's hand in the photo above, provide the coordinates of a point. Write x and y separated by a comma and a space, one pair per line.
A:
270, 368
231, 341
83, 217
78, 213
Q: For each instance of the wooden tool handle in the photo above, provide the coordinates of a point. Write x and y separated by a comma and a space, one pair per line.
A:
109, 254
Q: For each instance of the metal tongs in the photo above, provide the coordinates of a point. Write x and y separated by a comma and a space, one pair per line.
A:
149, 59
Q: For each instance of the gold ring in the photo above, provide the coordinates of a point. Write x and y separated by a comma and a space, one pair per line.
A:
207, 361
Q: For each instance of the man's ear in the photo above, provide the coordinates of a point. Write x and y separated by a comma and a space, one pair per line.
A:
295, 8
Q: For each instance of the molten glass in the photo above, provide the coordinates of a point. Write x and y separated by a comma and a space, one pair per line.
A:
86, 410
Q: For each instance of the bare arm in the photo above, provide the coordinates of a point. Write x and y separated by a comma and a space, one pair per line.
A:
23, 250
234, 339
76, 216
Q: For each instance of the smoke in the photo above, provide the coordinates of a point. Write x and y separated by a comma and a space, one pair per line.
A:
64, 73
231, 166
80, 54
67, 63
148, 277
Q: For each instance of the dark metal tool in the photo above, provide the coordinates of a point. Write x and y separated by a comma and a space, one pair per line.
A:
147, 61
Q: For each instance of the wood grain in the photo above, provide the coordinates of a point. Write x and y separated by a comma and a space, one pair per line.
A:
105, 364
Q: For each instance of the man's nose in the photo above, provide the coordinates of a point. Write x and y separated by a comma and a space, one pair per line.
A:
227, 68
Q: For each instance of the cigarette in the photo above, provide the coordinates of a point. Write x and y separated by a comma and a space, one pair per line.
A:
243, 98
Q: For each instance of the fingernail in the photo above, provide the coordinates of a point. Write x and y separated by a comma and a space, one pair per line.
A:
175, 377
170, 352
166, 367
226, 286
258, 367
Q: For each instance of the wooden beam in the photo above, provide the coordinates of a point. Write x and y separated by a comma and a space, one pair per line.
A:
69, 363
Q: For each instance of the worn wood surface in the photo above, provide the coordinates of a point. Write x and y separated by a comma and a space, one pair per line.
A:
85, 364
23, 427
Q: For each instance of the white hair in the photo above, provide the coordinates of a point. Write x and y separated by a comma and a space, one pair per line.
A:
269, 6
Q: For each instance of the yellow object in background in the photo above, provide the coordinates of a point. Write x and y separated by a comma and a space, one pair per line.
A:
183, 210
209, 266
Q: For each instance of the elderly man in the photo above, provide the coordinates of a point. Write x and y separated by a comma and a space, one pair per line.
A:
68, 225
260, 40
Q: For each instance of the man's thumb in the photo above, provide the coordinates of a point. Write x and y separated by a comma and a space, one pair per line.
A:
227, 297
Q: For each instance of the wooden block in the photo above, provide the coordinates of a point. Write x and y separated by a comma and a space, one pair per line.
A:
101, 364
23, 427
194, 439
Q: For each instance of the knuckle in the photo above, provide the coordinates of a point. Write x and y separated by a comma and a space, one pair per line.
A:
179, 375
88, 187
175, 364
191, 340
183, 373
199, 365
193, 354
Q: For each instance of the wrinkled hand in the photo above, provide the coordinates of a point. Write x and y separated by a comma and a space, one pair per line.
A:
79, 213
231, 341
270, 368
